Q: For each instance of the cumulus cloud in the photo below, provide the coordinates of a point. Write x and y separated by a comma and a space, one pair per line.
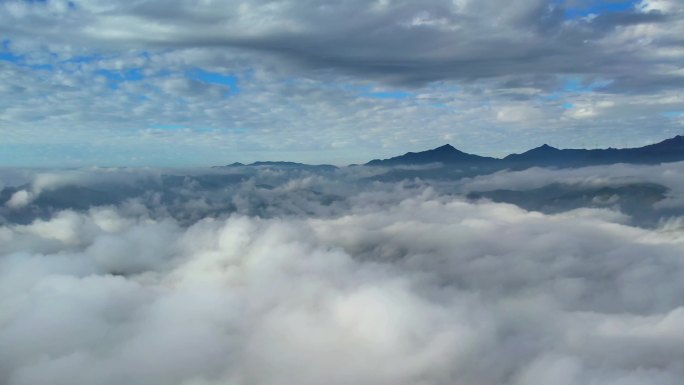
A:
333, 276
19, 199
519, 114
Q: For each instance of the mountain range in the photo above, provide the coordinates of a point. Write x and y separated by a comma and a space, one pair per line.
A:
670, 150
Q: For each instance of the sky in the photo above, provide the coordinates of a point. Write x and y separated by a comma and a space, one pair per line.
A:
202, 82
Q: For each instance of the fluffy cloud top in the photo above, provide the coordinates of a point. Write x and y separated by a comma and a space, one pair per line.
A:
381, 283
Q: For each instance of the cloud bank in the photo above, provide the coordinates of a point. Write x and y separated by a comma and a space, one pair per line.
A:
296, 279
400, 41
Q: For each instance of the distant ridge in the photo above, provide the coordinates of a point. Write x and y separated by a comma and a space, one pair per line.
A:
281, 164
669, 150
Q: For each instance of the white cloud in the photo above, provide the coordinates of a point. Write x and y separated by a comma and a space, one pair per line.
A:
19, 199
392, 283
659, 5
666, 174
519, 114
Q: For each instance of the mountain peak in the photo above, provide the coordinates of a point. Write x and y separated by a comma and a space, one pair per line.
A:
445, 150
675, 143
446, 147
545, 147
446, 154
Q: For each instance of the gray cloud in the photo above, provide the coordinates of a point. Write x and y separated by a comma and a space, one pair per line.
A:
397, 41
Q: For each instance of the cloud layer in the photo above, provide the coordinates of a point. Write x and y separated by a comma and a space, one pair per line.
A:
403, 282
402, 40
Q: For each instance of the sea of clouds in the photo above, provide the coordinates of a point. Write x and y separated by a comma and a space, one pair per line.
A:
288, 275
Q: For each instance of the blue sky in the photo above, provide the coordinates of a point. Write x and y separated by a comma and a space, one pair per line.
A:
580, 9
87, 83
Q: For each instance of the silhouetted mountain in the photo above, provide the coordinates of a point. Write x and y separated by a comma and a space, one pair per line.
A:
670, 150
540, 153
446, 154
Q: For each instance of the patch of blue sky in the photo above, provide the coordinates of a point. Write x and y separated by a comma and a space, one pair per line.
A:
7, 55
10, 57
20, 60
596, 7
576, 84
673, 114
567, 106
229, 80
70, 4
84, 59
570, 85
